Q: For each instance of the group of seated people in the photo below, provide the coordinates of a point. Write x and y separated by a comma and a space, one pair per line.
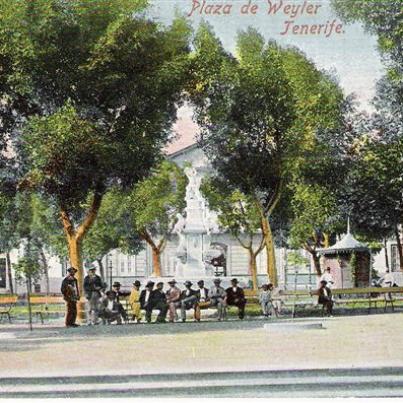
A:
167, 303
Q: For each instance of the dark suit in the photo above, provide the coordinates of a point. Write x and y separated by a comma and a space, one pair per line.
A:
119, 295
108, 314
71, 295
325, 298
157, 300
236, 298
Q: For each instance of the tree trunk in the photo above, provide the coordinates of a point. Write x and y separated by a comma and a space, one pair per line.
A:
326, 242
101, 269
270, 251
156, 255
385, 242
316, 263
253, 269
28, 283
45, 271
9, 273
399, 248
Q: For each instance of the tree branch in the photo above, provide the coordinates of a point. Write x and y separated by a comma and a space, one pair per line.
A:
90, 217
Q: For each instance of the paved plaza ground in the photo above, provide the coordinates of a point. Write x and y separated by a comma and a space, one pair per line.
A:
367, 341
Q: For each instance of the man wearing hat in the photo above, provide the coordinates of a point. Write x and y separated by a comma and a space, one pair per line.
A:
145, 300
188, 300
203, 299
71, 295
120, 294
110, 309
325, 297
173, 298
158, 301
217, 298
92, 287
134, 301
236, 297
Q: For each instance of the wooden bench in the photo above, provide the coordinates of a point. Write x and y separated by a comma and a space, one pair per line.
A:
43, 306
7, 304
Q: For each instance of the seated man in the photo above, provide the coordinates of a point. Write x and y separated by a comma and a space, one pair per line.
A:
188, 300
217, 298
110, 309
325, 297
236, 297
203, 299
134, 301
120, 295
145, 300
265, 300
173, 298
158, 300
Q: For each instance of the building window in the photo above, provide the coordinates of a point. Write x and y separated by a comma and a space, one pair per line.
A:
129, 264
394, 258
122, 267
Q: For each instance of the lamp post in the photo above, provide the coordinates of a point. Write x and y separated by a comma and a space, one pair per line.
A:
110, 270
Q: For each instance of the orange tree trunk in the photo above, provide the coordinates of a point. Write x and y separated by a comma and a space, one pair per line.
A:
270, 251
253, 269
156, 255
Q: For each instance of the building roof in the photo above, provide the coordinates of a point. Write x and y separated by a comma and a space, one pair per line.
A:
185, 131
347, 244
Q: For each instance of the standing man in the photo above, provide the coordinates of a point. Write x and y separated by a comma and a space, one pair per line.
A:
173, 298
236, 297
217, 299
119, 295
188, 299
71, 295
327, 276
134, 301
159, 302
145, 300
203, 299
92, 288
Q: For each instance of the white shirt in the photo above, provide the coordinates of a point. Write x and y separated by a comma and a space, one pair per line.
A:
203, 293
110, 304
325, 292
328, 278
234, 288
147, 295
187, 292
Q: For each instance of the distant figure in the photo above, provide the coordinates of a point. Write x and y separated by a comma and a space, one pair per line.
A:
277, 296
159, 302
134, 301
327, 276
388, 280
93, 287
217, 299
236, 297
71, 295
110, 311
188, 300
203, 299
120, 294
265, 300
325, 297
173, 298
145, 300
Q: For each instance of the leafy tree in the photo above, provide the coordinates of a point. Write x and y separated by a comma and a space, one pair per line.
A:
257, 111
155, 204
112, 229
238, 214
313, 209
93, 87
